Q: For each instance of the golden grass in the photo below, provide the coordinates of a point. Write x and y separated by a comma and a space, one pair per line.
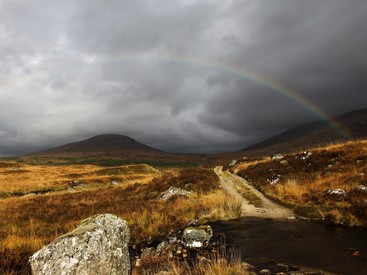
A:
24, 179
216, 266
28, 223
304, 183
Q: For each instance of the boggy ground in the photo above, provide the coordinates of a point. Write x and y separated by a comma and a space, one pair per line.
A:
302, 181
29, 222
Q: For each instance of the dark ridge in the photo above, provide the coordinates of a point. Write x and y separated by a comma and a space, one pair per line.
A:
353, 125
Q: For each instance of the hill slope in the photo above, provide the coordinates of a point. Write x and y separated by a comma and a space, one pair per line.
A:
103, 145
314, 134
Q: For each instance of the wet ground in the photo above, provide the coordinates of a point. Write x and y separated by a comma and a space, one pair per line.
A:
300, 243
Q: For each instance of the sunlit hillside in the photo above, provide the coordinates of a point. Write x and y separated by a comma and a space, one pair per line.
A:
328, 182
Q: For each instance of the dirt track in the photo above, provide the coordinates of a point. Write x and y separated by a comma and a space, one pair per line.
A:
268, 208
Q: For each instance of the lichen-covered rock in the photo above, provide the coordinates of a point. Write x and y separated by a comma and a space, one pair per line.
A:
337, 192
174, 192
99, 245
196, 237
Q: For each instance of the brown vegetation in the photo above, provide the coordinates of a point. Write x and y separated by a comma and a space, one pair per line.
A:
17, 179
29, 222
304, 182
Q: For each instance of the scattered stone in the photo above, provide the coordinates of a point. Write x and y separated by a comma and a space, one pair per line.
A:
330, 166
291, 218
337, 192
284, 162
305, 155
197, 237
276, 156
274, 179
362, 188
265, 272
99, 245
233, 163
115, 182
174, 192
245, 158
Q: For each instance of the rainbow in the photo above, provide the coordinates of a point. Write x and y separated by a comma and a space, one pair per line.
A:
240, 72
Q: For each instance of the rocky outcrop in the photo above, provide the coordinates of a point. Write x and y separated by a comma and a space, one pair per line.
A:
99, 245
173, 192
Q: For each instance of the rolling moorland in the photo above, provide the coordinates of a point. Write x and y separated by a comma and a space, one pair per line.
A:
46, 194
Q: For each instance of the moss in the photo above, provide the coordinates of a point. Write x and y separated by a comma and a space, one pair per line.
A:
79, 231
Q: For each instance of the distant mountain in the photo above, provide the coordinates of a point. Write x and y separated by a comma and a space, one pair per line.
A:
103, 145
353, 125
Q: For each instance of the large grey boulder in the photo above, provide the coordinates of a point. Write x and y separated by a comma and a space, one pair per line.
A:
99, 245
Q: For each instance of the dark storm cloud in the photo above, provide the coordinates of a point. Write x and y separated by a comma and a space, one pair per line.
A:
151, 69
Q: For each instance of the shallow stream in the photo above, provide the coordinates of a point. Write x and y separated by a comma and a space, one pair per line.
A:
300, 243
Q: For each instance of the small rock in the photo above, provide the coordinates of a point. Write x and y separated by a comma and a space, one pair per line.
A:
114, 182
276, 156
274, 179
362, 188
233, 163
264, 272
284, 162
337, 192
305, 155
196, 237
291, 218
174, 192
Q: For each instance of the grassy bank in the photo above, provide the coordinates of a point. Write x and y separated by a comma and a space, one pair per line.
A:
302, 182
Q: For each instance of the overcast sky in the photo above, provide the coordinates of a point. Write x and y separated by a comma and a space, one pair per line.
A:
182, 76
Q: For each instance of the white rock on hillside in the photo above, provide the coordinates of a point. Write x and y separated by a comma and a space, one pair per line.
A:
99, 245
